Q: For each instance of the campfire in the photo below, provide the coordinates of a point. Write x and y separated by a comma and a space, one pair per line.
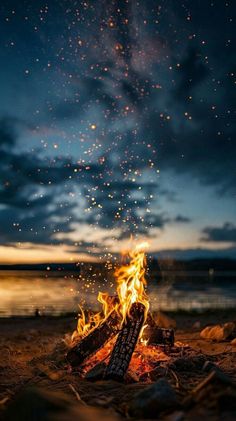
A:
124, 334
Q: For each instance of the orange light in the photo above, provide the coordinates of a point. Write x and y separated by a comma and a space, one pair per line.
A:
131, 285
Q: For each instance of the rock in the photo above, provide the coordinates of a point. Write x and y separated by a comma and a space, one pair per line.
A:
96, 373
42, 405
162, 320
175, 416
35, 404
218, 332
194, 363
233, 342
156, 398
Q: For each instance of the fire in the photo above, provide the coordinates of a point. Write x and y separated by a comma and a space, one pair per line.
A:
131, 281
131, 285
85, 324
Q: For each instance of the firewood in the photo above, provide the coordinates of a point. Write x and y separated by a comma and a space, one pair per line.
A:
94, 340
125, 343
159, 336
97, 372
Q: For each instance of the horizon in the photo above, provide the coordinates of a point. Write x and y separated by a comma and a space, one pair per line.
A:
151, 259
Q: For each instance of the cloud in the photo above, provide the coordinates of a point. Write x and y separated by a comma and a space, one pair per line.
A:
40, 197
226, 233
29, 207
197, 253
36, 226
182, 219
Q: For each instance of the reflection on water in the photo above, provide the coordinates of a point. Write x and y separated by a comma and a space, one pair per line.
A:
23, 292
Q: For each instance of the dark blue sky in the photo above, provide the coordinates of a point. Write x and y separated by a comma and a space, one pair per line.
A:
117, 118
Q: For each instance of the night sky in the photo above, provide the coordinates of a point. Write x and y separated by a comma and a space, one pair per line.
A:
117, 118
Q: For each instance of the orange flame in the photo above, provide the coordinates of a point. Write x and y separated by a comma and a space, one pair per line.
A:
131, 281
131, 284
85, 324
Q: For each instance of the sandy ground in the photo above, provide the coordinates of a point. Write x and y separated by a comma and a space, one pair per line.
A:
32, 354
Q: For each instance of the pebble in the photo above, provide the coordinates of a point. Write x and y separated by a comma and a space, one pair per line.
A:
156, 398
44, 405
233, 342
218, 332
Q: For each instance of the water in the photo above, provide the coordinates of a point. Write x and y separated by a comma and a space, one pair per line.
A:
22, 292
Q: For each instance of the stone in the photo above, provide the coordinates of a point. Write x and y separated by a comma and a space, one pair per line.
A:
43, 405
175, 416
218, 332
233, 342
162, 320
154, 399
184, 364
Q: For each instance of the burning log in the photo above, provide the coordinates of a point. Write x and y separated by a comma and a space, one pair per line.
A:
94, 340
125, 343
159, 336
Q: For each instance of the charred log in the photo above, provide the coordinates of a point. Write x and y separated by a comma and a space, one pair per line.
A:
94, 340
159, 336
125, 343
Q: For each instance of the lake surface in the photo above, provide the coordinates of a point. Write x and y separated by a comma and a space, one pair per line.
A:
24, 292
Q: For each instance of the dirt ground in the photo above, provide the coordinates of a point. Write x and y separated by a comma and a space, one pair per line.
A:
33, 356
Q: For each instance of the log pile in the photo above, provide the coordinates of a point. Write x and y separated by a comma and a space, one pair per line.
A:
127, 337
94, 340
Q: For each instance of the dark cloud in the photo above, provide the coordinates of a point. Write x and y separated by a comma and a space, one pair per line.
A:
199, 252
29, 213
33, 189
182, 219
226, 233
38, 226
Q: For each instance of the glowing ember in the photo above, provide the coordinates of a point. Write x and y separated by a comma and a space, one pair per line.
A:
144, 359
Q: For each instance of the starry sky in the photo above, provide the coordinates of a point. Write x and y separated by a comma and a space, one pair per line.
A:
117, 119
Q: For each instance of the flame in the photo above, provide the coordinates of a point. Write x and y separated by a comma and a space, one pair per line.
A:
90, 322
131, 285
131, 281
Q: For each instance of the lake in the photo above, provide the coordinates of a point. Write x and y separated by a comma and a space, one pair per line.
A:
55, 293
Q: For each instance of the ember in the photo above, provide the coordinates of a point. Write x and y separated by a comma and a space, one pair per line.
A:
123, 316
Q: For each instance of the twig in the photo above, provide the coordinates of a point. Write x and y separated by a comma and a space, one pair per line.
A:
76, 394
4, 400
204, 383
175, 377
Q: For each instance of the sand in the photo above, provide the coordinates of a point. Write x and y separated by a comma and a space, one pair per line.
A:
33, 354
